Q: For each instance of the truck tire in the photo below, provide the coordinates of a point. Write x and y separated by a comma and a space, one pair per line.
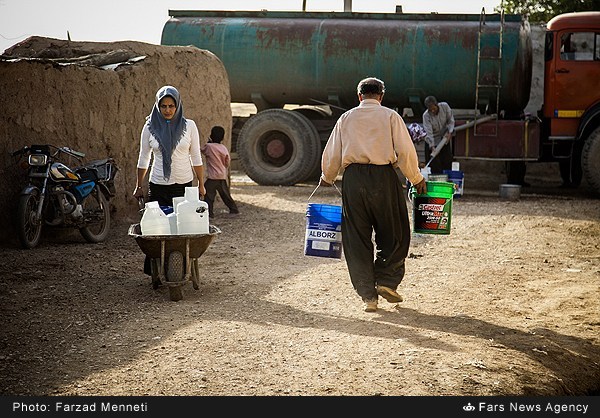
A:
278, 147
590, 160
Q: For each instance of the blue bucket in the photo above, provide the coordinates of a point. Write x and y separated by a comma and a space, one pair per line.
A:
458, 178
323, 231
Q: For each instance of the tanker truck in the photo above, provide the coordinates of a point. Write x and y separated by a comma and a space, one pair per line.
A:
300, 71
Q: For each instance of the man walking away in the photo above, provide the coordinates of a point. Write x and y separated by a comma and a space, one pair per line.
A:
370, 142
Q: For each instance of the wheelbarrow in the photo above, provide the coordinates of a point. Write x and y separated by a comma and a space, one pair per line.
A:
174, 258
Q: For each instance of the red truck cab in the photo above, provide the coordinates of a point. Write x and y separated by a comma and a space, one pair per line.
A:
572, 72
571, 109
567, 127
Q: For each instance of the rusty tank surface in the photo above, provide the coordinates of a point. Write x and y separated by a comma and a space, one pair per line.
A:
278, 58
301, 69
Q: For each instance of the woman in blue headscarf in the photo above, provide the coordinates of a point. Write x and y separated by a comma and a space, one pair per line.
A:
174, 142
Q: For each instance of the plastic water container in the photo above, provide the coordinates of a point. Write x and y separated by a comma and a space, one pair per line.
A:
510, 191
432, 212
437, 177
176, 201
323, 236
172, 217
192, 214
458, 178
154, 221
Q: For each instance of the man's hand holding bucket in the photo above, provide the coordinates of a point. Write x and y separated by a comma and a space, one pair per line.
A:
421, 187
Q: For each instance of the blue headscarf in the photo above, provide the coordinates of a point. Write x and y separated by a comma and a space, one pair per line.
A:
167, 132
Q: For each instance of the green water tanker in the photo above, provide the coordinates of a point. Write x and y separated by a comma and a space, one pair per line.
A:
300, 70
312, 59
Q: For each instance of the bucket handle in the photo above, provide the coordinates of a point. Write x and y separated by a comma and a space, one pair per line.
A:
333, 184
410, 192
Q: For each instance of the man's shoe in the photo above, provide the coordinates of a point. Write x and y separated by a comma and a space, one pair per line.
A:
389, 294
371, 305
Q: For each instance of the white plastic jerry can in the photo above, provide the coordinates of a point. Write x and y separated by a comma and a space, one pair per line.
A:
172, 217
192, 214
154, 221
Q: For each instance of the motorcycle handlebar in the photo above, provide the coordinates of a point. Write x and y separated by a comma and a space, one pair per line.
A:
20, 151
74, 153
66, 150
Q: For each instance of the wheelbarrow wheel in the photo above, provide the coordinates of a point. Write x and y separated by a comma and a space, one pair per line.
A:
175, 293
175, 268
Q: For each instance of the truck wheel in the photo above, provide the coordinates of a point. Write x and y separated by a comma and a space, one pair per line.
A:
279, 147
590, 160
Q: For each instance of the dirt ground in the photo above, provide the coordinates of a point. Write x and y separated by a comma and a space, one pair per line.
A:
506, 304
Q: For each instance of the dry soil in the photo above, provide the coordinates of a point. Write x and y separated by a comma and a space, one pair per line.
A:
506, 304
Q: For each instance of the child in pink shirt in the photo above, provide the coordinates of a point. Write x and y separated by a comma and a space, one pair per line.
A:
216, 171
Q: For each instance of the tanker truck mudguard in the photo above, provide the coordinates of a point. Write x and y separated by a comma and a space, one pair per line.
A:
300, 70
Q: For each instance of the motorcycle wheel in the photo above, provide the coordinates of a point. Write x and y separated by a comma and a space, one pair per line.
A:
96, 212
30, 229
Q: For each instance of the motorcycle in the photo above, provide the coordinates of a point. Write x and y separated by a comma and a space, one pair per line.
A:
59, 196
